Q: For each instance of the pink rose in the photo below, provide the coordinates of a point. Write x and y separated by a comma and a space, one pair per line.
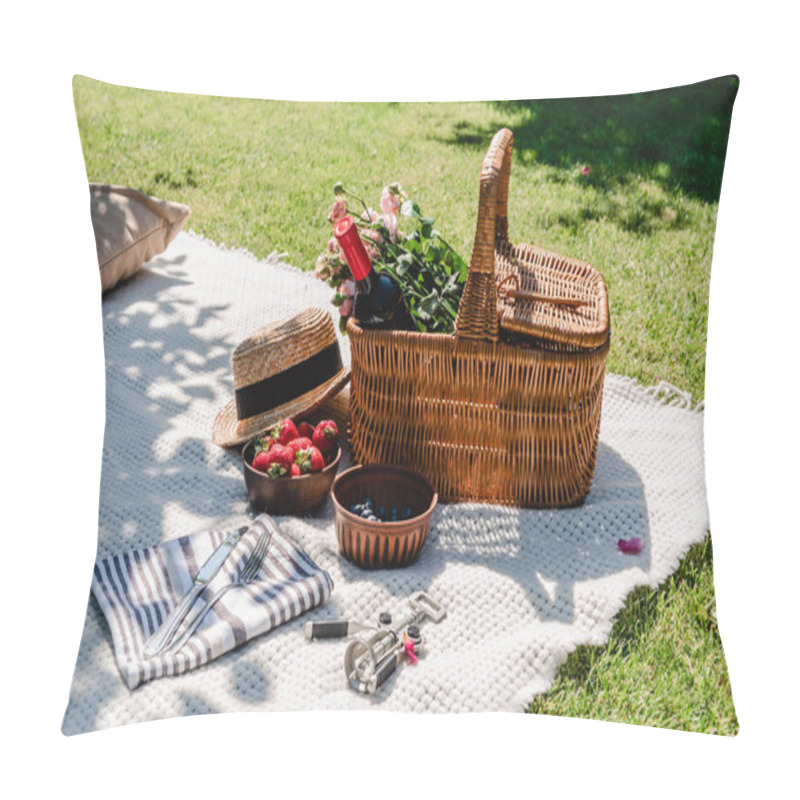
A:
346, 308
321, 269
585, 171
333, 245
348, 288
338, 210
372, 250
374, 235
390, 221
391, 198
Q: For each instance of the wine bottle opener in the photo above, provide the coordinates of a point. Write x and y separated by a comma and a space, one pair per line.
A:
375, 652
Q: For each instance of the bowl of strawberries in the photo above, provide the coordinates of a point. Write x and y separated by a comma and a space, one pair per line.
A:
290, 468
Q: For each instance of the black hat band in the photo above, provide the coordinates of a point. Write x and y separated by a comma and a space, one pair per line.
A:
297, 380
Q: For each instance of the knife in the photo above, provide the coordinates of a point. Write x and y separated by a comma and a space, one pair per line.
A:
162, 637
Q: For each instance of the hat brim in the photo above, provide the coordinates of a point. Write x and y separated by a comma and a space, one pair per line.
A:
230, 431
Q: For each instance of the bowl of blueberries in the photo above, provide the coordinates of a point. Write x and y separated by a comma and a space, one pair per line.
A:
382, 514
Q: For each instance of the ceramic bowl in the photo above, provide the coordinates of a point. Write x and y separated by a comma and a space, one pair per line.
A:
297, 496
382, 545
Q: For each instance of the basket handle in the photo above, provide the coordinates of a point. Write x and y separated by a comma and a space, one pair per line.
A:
477, 311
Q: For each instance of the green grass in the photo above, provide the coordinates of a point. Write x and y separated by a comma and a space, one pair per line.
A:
259, 175
663, 664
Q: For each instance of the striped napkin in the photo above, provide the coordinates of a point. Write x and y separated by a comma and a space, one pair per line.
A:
137, 590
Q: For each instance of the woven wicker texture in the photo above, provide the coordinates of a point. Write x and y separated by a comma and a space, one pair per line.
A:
280, 345
482, 419
556, 280
522, 587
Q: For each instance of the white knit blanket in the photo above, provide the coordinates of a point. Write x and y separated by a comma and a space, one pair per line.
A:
522, 588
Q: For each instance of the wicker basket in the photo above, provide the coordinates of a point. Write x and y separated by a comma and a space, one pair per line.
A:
506, 410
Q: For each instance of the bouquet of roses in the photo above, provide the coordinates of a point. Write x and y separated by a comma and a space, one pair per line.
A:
429, 272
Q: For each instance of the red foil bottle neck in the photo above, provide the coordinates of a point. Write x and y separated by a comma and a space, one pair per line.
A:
355, 253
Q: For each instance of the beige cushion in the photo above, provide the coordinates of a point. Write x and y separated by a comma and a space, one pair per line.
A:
130, 228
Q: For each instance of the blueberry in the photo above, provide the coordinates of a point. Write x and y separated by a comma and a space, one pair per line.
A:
368, 501
372, 518
407, 514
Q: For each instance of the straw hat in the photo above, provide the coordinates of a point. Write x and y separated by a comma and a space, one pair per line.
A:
282, 370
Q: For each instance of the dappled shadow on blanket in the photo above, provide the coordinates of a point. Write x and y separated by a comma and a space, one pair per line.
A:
546, 553
550, 551
164, 370
169, 333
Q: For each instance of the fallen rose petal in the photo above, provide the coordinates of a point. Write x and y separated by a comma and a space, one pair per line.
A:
585, 171
630, 546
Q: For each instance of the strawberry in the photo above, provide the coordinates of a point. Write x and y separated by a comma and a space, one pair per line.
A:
284, 432
260, 461
300, 443
305, 429
326, 436
295, 471
277, 462
310, 460
263, 443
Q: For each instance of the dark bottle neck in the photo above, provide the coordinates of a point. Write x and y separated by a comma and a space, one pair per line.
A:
366, 283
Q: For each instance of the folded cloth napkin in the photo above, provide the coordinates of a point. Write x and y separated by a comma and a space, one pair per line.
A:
137, 590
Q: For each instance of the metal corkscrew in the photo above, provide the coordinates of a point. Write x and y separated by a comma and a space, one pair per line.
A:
376, 651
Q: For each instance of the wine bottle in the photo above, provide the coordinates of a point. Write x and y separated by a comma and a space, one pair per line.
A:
378, 302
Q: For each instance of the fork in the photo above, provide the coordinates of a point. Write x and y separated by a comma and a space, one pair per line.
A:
246, 575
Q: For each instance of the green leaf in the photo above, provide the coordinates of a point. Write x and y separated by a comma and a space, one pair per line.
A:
452, 283
410, 209
404, 263
429, 305
432, 254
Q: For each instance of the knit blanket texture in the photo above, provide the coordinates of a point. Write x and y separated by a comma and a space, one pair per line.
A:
522, 587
